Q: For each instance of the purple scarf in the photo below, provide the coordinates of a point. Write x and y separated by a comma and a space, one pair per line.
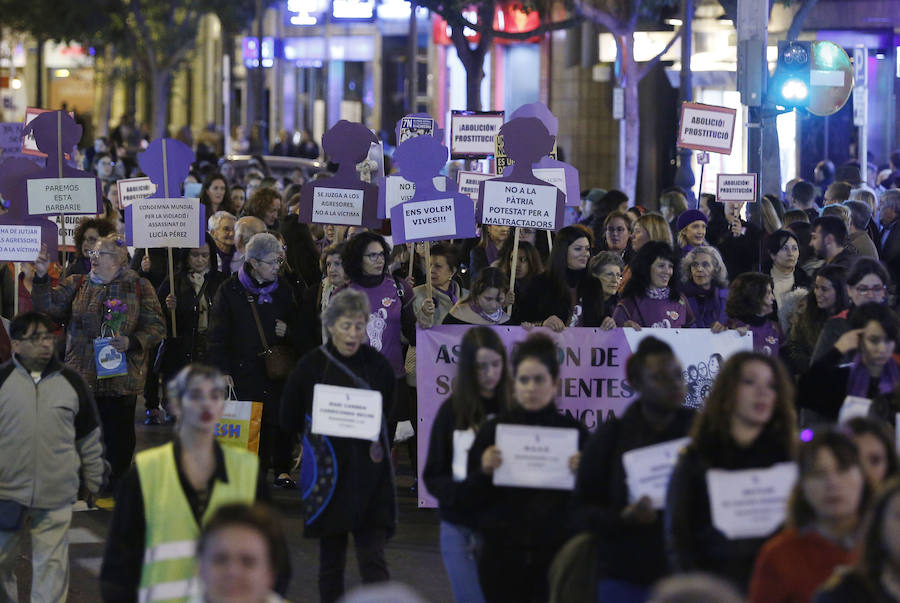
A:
858, 381
262, 293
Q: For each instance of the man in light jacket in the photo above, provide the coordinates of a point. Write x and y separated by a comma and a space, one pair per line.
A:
49, 431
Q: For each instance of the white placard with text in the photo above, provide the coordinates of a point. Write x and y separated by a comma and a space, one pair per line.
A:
346, 412
535, 457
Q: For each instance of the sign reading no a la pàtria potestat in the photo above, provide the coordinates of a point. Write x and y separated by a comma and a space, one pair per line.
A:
707, 128
517, 204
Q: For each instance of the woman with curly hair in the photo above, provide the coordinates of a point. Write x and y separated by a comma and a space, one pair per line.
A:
748, 423
652, 298
705, 284
87, 233
265, 204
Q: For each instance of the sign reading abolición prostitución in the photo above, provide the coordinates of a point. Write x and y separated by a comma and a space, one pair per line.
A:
472, 133
706, 128
736, 187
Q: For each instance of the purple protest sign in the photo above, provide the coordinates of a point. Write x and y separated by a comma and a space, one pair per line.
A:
519, 198
562, 175
344, 199
431, 215
14, 174
11, 143
164, 218
593, 386
59, 188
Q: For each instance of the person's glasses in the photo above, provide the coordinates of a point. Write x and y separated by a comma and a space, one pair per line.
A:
93, 253
616, 229
39, 338
276, 262
863, 290
373, 257
612, 275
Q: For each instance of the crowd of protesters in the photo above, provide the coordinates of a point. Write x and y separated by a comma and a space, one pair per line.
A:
268, 308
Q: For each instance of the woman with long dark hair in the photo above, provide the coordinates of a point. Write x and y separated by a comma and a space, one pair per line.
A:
522, 528
748, 423
652, 296
824, 517
871, 340
214, 194
481, 390
564, 295
782, 264
826, 298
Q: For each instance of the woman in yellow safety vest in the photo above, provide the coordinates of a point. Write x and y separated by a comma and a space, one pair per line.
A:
170, 492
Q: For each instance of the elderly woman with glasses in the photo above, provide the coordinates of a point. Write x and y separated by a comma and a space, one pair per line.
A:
705, 285
86, 303
254, 313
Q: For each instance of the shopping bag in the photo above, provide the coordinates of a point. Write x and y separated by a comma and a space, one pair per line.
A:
240, 424
109, 361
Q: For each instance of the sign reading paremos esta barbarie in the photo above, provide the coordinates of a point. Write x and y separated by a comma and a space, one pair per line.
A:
736, 187
706, 128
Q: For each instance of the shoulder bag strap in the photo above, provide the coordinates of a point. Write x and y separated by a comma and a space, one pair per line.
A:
357, 380
262, 335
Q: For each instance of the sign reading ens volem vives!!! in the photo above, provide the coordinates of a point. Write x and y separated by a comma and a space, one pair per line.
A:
592, 383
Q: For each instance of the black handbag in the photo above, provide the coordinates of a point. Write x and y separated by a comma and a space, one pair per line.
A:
280, 359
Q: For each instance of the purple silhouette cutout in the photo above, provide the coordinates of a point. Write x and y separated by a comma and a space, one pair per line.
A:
347, 144
449, 184
419, 160
526, 140
178, 160
56, 133
540, 111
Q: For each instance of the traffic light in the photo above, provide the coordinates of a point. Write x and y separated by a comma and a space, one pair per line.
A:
789, 86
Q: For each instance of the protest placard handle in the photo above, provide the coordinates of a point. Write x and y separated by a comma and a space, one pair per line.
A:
62, 241
18, 269
512, 264
412, 258
172, 289
549, 242
428, 290
62, 216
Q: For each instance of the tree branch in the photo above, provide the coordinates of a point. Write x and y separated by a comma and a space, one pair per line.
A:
799, 17
646, 67
600, 17
149, 57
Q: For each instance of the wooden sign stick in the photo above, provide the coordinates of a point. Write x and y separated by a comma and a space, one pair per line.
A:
169, 249
512, 265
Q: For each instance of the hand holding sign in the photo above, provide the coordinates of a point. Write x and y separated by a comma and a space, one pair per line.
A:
343, 199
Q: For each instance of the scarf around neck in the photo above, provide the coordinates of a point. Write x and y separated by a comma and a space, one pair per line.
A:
859, 378
658, 293
263, 293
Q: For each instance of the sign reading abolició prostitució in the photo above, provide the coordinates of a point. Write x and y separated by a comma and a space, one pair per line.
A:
706, 128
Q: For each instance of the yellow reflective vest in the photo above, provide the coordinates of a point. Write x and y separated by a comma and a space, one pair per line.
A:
170, 565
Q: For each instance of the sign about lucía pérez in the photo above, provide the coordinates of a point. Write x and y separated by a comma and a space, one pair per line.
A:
166, 223
519, 198
707, 128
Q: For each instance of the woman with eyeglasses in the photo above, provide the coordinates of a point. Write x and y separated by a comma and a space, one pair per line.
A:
255, 311
871, 341
705, 285
607, 267
87, 233
617, 235
85, 302
195, 288
867, 281
392, 316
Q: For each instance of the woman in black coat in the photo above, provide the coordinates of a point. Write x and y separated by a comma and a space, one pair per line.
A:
565, 295
354, 489
748, 423
522, 528
235, 346
195, 289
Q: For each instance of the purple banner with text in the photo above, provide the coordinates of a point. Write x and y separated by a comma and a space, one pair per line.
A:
592, 385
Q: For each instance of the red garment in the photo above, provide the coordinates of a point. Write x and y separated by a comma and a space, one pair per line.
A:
793, 564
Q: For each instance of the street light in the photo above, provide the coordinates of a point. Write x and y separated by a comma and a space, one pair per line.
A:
789, 87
